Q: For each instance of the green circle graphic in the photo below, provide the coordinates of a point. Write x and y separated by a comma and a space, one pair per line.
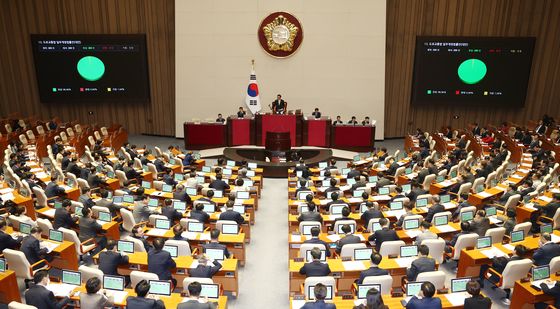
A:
91, 68
472, 71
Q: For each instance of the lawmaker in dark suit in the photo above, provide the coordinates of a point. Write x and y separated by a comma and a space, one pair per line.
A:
382, 235
435, 208
229, 214
302, 186
315, 268
476, 301
52, 189
110, 259
39, 296
550, 209
310, 215
204, 271
181, 194
170, 212
374, 269
193, 302
219, 184
140, 301
316, 113
160, 261
199, 214
7, 241
428, 301
215, 244
320, 292
480, 223
416, 191
315, 231
554, 292
422, 264
30, 246
347, 239
169, 178
279, 106
546, 251
89, 228
372, 212
62, 217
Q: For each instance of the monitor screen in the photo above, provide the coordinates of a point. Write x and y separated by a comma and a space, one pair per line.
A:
453, 174
356, 158
145, 168
299, 173
467, 216
167, 188
376, 226
406, 188
200, 179
336, 209
440, 220
484, 242
153, 202
408, 170
466, 71
2, 265
479, 188
71, 277
352, 228
230, 163
180, 206
163, 224
351, 181
372, 179
326, 183
408, 251
446, 198
491, 211
311, 292
383, 191
206, 169
115, 283
211, 291
541, 272
398, 205
55, 235
125, 246
459, 284
323, 165
197, 227
252, 165
128, 198
215, 254
309, 258
303, 194
173, 250
191, 191
517, 236
57, 204
239, 208
230, 228
421, 202
24, 228
248, 183
413, 288
209, 208
411, 224
78, 211
345, 171
243, 195
307, 229
146, 184
227, 172
218, 193
440, 178
357, 193
111, 174
104, 216
363, 289
546, 228
179, 177
117, 199
160, 287
362, 254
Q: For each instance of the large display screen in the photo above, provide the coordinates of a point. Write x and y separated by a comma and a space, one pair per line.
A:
91, 68
472, 70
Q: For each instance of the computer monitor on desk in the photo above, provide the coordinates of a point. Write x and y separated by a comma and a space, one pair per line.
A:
459, 285
115, 283
71, 277
160, 287
484, 242
411, 224
408, 251
364, 288
540, 272
413, 288
212, 291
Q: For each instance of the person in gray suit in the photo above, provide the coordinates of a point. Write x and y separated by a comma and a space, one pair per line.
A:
480, 223
422, 264
141, 211
426, 233
194, 300
89, 228
93, 299
347, 239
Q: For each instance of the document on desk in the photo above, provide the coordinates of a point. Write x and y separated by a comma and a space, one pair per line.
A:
510, 247
7, 197
49, 245
297, 304
296, 238
6, 190
492, 252
545, 198
156, 232
413, 233
61, 289
495, 220
204, 236
516, 176
395, 213
190, 235
449, 205
41, 175
405, 262
333, 237
355, 200
457, 299
447, 183
522, 170
345, 188
554, 238
49, 212
381, 197
118, 296
445, 228
484, 194
325, 201
530, 206
548, 282
353, 265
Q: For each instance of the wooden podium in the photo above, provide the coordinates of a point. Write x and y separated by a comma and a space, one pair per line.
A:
278, 141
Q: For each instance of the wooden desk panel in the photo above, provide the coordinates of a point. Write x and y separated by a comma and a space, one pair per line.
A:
9, 291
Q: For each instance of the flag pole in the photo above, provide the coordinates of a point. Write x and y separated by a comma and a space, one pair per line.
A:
253, 64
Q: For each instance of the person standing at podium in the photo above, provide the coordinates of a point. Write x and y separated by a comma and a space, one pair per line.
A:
279, 106
241, 113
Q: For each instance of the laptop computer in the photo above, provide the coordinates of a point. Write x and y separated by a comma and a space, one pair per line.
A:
363, 289
336, 209
421, 202
372, 179
311, 292
306, 230
196, 227
323, 165
2, 265
242, 195
352, 228
211, 291
239, 208
302, 195
104, 216
218, 193
209, 208
459, 285
413, 288
191, 191
230, 163
71, 277
252, 165
25, 228
467, 216
179, 177
383, 191
546, 228
153, 202
406, 188
206, 169
540, 273
232, 229
441, 220
146, 184
215, 254
128, 198
397, 205
445, 198
517, 236
173, 250
491, 211
162, 224
180, 206
117, 199
167, 188
78, 211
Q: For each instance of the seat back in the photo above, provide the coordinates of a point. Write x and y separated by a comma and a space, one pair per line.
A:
189, 280
400, 171
340, 223
437, 247
70, 235
312, 281
370, 224
219, 224
17, 262
82, 183
158, 185
391, 247
137, 276
308, 223
428, 196
16, 305
428, 181
512, 201
525, 227
45, 225
41, 197
152, 219
386, 282
435, 277
306, 247
15, 221
121, 176
463, 242
40, 130
464, 188
488, 181
337, 205
477, 182
183, 247
515, 270
158, 151
70, 131
138, 245
467, 209
137, 163
128, 219
97, 209
347, 250
497, 234
152, 168
90, 272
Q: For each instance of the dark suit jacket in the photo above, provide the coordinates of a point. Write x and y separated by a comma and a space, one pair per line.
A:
319, 304
369, 214
554, 291
160, 165
32, 250
480, 226
171, 213
219, 185
62, 218
40, 297
415, 192
205, 271
160, 263
478, 302
182, 196
109, 261
6, 241
437, 208
348, 239
89, 228
424, 303
233, 216
544, 254
385, 234
314, 240
372, 271
194, 304
52, 189
215, 245
550, 209
134, 302
310, 216
315, 269
200, 216
420, 265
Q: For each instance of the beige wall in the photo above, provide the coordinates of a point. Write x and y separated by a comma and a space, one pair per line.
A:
340, 66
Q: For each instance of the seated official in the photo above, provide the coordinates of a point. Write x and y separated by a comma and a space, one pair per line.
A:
463, 203
422, 264
241, 113
93, 298
382, 180
194, 300
215, 244
311, 215
171, 213
63, 218
142, 211
85, 198
333, 187
382, 235
169, 177
110, 259
39, 296
546, 251
160, 261
230, 214
426, 233
435, 208
399, 193
320, 291
199, 214
30, 246
425, 299
374, 269
338, 121
315, 268
89, 228
480, 224
554, 292
189, 159
348, 238
366, 121
220, 119
549, 210
302, 186
417, 190
465, 230
408, 207
138, 233
6, 240
219, 184
315, 231
345, 215
202, 270
105, 201
181, 194
178, 233
207, 199
353, 121
140, 301
335, 200
316, 113
20, 214
476, 301
279, 106
372, 212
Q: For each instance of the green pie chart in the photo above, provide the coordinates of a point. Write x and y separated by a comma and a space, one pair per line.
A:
91, 68
472, 71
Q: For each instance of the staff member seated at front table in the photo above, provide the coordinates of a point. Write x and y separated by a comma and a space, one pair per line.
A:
279, 106
241, 113
315, 268
316, 113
